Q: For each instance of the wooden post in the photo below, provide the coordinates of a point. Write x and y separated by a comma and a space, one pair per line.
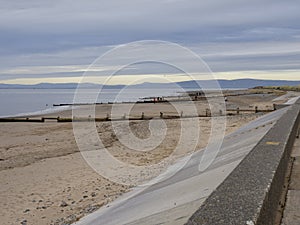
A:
107, 116
237, 110
143, 116
161, 115
256, 109
124, 117
207, 114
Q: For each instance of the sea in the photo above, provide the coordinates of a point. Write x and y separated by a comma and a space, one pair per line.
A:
21, 102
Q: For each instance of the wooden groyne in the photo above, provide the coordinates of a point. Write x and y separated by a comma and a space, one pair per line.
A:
184, 97
41, 120
161, 115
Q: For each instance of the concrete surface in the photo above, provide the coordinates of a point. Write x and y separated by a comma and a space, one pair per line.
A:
174, 200
251, 193
295, 176
292, 101
292, 209
291, 214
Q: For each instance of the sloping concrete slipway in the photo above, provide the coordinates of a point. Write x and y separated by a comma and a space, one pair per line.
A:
176, 199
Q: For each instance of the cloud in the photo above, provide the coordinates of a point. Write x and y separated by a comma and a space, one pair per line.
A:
230, 34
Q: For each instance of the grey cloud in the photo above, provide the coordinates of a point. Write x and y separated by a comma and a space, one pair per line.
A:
118, 21
66, 32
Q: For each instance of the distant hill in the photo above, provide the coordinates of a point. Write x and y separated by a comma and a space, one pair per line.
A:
224, 84
240, 83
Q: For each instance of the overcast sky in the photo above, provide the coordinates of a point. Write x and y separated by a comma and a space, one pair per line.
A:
55, 40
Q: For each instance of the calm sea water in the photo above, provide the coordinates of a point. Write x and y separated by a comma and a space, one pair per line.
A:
17, 102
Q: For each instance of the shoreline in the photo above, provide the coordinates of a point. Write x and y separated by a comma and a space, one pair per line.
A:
53, 184
62, 107
57, 107
38, 113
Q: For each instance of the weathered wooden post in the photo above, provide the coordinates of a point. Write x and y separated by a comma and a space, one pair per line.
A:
161, 115
107, 116
143, 115
207, 112
256, 109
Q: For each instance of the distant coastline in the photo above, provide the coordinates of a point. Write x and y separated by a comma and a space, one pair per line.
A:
224, 84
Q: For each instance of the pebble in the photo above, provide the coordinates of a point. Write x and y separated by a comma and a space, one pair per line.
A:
91, 209
72, 218
26, 210
63, 204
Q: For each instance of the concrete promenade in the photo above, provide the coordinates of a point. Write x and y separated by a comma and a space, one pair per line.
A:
253, 194
291, 214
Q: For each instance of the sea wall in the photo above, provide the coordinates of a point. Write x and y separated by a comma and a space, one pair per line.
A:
251, 194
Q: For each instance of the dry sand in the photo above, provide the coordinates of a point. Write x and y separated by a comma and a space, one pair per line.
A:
45, 180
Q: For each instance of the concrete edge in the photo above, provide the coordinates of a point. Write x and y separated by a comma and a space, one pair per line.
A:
251, 193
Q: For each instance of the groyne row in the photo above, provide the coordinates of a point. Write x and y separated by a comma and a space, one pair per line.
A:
161, 115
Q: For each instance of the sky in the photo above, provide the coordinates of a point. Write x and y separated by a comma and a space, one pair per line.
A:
58, 40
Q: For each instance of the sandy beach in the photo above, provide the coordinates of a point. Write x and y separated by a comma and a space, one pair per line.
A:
45, 180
